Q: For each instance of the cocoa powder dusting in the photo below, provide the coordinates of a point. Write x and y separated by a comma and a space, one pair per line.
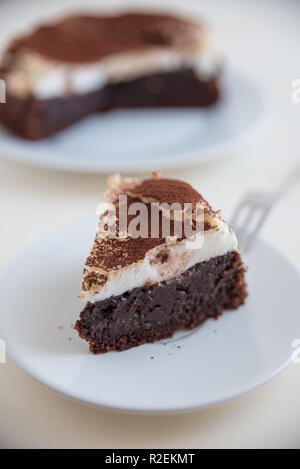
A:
83, 39
113, 253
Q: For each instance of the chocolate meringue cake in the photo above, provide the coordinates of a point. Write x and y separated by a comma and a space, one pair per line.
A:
64, 71
142, 284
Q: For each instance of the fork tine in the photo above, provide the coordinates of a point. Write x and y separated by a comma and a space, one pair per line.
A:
244, 227
237, 213
248, 211
252, 234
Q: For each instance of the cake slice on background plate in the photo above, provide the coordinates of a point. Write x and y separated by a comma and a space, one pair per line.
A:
63, 71
162, 260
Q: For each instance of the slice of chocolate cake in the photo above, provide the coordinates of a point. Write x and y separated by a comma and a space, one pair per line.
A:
64, 71
162, 260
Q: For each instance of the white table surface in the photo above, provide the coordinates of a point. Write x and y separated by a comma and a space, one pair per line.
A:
261, 37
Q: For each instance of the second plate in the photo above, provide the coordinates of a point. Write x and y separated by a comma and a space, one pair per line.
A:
141, 140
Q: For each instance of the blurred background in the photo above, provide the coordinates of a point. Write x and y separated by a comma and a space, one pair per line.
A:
261, 38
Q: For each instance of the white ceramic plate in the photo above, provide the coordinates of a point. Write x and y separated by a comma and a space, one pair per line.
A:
142, 140
209, 365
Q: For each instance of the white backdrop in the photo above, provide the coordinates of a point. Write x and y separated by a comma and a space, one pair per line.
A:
259, 36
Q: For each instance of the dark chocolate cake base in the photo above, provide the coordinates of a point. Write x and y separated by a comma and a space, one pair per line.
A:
36, 119
155, 312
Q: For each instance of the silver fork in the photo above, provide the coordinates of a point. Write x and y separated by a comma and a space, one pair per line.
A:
252, 212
